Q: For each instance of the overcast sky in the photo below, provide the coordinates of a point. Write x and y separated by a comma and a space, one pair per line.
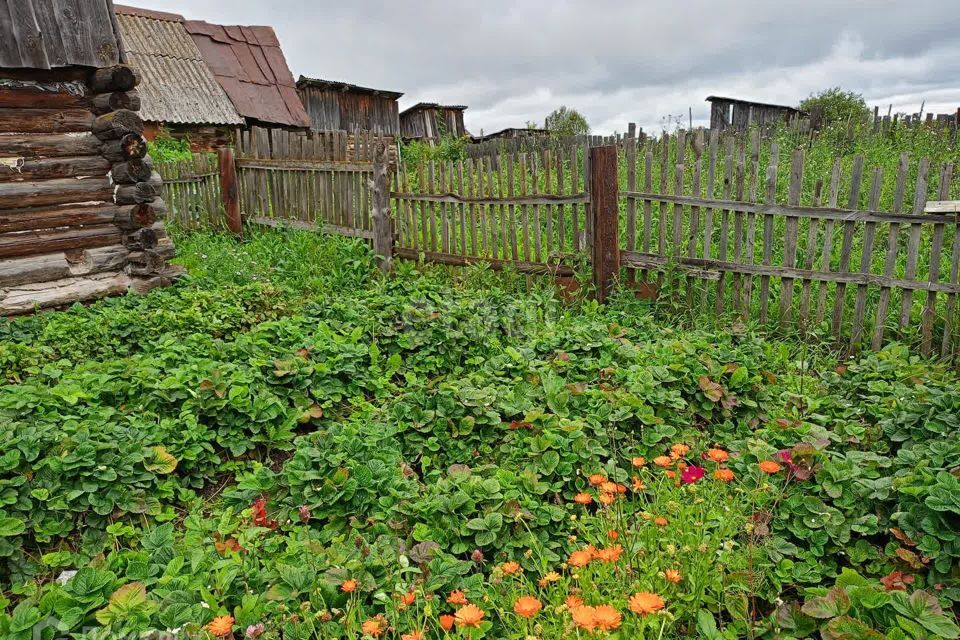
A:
615, 61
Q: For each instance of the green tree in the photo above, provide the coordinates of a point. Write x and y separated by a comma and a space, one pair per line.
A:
836, 105
566, 122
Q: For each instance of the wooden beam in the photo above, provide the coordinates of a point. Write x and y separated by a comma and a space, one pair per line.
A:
230, 190
380, 208
280, 223
53, 192
38, 94
55, 217
544, 199
495, 264
27, 243
116, 78
66, 264
54, 293
117, 124
605, 214
46, 120
659, 263
822, 213
130, 147
48, 145
27, 169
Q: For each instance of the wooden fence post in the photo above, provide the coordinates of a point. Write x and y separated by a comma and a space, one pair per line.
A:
230, 190
380, 216
605, 216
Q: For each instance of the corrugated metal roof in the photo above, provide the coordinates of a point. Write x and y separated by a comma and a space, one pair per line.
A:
251, 68
336, 85
177, 86
43, 34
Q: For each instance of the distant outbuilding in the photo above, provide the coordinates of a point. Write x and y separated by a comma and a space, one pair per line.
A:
341, 106
431, 121
740, 114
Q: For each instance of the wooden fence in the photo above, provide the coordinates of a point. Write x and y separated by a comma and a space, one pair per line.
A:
526, 210
711, 211
307, 178
694, 218
191, 191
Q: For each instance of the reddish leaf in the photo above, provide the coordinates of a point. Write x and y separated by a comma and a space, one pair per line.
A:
711, 389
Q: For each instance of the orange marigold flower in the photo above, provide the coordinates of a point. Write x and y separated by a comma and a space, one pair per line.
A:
681, 466
348, 586
510, 568
645, 603
597, 478
457, 597
621, 488
670, 473
769, 466
583, 498
606, 617
638, 484
584, 617
679, 450
446, 621
413, 635
718, 455
662, 461
605, 499
661, 521
408, 598
221, 626
469, 615
612, 534
372, 627
638, 461
672, 575
610, 554
580, 558
527, 606
573, 601
608, 487
723, 475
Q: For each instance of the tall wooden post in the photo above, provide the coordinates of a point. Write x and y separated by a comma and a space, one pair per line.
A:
230, 190
380, 215
605, 215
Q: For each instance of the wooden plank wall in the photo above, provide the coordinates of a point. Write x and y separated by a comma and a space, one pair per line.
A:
527, 210
825, 259
191, 190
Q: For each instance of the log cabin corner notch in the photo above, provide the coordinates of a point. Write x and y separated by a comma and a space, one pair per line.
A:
79, 207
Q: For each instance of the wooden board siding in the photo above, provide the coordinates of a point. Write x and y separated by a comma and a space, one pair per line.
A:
332, 110
431, 121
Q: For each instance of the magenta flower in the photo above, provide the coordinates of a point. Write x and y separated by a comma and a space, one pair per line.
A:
691, 474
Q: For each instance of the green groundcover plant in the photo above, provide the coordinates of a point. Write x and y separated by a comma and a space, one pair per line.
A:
288, 444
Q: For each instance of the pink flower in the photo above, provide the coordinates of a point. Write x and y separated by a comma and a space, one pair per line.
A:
254, 631
691, 474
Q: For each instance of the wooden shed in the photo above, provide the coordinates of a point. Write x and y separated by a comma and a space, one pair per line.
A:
512, 133
78, 196
742, 114
340, 106
178, 91
432, 121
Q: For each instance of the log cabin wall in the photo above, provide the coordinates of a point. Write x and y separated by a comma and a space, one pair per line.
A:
79, 207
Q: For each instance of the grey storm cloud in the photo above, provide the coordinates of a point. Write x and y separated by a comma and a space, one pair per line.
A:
645, 61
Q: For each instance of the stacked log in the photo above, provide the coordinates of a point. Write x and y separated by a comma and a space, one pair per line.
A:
80, 206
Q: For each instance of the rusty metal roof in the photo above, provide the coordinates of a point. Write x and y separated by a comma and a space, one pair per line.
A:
336, 85
251, 68
177, 86
43, 34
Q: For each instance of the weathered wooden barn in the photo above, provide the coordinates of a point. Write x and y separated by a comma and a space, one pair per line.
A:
340, 106
178, 91
78, 196
739, 114
250, 66
432, 121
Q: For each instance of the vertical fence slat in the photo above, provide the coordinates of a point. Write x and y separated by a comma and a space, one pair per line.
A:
826, 257
771, 197
849, 229
933, 275
890, 261
790, 236
866, 259
913, 243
